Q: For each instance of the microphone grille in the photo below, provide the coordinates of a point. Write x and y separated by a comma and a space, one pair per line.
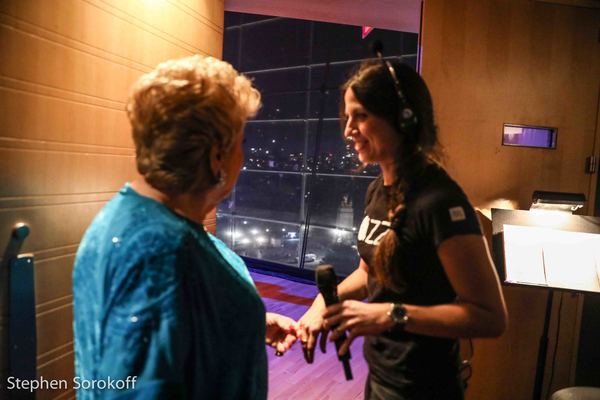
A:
325, 276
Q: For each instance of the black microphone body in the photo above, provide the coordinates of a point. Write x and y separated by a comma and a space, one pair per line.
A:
327, 284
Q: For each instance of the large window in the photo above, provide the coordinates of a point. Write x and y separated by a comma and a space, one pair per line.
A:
296, 175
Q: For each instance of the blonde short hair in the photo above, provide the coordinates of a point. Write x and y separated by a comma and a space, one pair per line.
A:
182, 109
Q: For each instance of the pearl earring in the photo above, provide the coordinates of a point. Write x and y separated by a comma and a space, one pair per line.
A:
221, 177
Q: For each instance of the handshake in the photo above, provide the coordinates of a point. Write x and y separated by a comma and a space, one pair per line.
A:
326, 313
283, 332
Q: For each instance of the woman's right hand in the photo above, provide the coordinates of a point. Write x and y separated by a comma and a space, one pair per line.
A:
309, 327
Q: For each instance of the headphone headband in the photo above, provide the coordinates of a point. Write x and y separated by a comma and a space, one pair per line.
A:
407, 115
407, 119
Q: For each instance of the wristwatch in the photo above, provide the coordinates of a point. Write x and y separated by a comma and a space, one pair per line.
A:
398, 314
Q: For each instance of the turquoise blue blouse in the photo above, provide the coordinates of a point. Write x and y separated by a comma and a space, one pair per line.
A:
158, 298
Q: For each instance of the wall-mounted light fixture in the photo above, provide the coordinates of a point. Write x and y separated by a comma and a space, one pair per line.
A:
557, 201
529, 136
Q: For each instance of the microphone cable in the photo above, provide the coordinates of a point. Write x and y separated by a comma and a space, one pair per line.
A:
311, 182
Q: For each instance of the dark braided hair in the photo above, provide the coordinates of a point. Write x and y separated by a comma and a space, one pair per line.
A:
374, 88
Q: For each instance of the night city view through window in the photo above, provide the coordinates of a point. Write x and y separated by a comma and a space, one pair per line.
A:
291, 176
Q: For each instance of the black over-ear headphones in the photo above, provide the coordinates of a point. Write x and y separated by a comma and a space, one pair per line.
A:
407, 119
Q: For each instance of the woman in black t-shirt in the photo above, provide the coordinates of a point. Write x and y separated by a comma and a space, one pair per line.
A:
425, 267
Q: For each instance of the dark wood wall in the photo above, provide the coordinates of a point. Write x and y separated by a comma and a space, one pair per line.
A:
488, 62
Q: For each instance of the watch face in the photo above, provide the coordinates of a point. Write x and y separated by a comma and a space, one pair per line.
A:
399, 314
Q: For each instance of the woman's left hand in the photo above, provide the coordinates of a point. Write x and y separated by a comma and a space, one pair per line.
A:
281, 334
358, 318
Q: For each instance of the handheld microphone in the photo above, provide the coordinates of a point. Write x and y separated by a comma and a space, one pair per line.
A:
327, 284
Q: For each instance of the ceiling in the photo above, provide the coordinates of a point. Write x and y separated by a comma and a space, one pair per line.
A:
398, 15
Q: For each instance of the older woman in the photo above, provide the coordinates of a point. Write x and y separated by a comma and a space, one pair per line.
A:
157, 298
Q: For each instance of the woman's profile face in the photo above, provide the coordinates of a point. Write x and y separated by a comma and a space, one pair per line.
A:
375, 140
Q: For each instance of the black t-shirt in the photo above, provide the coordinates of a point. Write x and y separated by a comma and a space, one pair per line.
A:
436, 209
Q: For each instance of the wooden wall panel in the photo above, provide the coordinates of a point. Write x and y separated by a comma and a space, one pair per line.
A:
492, 62
495, 61
57, 66
210, 11
177, 20
55, 327
51, 117
120, 31
65, 145
70, 172
61, 368
56, 225
53, 275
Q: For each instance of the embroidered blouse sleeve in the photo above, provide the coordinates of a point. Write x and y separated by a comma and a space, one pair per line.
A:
146, 331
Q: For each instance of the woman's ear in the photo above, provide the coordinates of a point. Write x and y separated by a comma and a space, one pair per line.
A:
216, 163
